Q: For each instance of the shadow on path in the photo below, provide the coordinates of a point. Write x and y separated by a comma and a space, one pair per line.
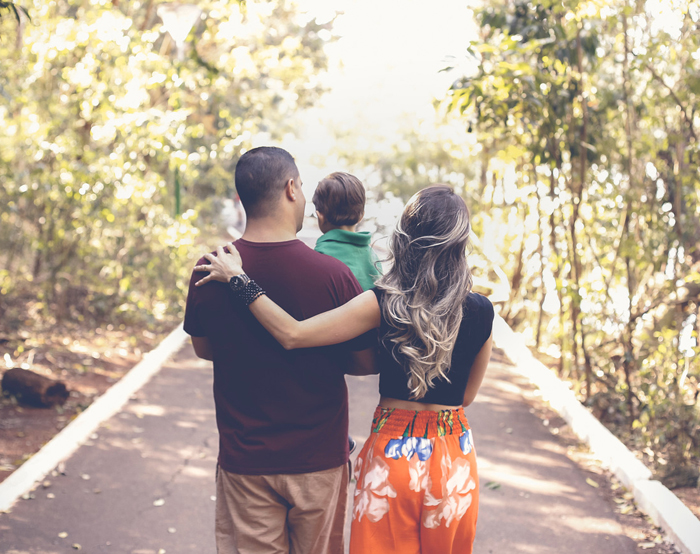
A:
145, 482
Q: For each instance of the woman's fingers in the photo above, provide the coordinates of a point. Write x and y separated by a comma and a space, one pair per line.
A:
233, 251
226, 262
203, 281
230, 258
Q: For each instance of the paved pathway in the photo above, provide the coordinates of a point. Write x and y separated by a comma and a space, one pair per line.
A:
145, 483
160, 449
544, 504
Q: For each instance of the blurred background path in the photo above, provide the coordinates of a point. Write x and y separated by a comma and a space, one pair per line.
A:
145, 483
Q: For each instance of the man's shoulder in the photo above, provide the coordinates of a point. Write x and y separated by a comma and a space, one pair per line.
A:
295, 256
323, 271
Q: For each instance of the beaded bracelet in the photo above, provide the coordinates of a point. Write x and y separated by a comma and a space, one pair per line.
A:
249, 293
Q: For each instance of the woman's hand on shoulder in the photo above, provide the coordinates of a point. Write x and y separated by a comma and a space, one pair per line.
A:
222, 266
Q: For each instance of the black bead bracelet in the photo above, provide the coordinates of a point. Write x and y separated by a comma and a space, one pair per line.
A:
249, 293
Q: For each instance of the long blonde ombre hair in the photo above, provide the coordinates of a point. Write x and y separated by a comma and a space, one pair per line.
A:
425, 289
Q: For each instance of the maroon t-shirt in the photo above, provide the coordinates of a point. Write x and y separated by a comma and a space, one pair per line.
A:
277, 411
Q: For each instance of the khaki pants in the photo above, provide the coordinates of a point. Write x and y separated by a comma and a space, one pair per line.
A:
281, 514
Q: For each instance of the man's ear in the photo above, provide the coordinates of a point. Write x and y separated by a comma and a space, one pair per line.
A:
321, 218
290, 190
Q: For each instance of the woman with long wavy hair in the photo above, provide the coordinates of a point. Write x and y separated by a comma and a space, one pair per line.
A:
417, 486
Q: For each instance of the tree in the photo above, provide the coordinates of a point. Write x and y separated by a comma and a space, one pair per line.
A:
14, 9
594, 111
99, 119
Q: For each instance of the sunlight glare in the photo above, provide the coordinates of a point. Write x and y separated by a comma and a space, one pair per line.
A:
666, 16
383, 74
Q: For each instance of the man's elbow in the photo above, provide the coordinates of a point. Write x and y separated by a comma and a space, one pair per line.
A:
363, 372
361, 369
362, 363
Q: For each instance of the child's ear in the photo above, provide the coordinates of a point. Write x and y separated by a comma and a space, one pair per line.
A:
323, 224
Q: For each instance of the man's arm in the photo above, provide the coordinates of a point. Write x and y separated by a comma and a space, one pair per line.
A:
361, 362
202, 347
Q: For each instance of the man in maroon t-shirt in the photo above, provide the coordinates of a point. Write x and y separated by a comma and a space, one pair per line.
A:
282, 415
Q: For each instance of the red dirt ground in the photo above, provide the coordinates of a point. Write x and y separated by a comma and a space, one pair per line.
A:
88, 366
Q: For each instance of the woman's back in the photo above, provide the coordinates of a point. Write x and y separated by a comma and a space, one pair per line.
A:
474, 331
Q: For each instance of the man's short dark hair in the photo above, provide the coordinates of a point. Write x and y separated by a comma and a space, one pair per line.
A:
261, 174
340, 197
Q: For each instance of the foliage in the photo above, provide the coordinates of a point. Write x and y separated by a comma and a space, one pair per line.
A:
14, 9
420, 157
99, 119
587, 117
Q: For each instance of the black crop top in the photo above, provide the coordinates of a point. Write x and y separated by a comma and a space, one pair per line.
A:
474, 331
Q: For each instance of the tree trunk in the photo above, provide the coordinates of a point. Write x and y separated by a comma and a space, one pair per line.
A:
628, 362
483, 173
517, 279
147, 17
34, 389
577, 199
629, 347
540, 250
557, 267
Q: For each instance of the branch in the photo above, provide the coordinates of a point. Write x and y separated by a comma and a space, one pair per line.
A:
600, 265
677, 100
684, 294
617, 248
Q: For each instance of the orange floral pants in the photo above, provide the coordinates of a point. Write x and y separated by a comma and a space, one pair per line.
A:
417, 489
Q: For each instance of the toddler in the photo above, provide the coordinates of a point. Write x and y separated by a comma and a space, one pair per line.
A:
340, 205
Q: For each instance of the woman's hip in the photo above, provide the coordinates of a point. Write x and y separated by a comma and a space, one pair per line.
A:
417, 476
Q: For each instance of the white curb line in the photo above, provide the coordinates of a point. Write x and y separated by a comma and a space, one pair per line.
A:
667, 511
77, 431
654, 499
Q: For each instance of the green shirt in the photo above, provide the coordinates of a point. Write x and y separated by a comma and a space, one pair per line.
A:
354, 251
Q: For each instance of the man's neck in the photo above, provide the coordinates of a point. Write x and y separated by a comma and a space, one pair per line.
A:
268, 229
